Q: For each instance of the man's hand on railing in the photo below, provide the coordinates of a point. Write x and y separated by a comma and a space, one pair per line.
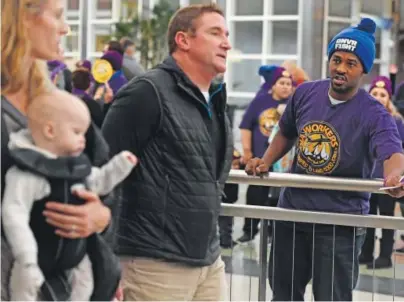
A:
256, 167
395, 181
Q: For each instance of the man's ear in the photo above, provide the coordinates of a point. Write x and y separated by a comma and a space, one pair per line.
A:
182, 40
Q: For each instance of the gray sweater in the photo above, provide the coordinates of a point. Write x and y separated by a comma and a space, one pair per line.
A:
131, 68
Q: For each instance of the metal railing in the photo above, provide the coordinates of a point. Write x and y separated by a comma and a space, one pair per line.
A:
266, 214
274, 179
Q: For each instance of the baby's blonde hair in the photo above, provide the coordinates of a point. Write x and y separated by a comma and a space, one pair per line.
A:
57, 103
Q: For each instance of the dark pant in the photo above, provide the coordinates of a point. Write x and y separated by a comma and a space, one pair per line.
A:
257, 196
226, 222
328, 255
385, 204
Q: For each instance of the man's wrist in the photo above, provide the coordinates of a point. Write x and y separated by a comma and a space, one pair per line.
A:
267, 162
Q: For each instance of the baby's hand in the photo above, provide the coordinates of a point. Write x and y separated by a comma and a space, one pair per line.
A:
130, 156
25, 282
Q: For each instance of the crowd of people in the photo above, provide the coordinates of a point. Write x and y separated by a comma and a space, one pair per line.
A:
120, 184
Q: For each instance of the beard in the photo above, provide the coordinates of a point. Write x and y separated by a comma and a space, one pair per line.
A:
341, 89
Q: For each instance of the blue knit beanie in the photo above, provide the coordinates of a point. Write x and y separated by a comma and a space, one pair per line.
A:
359, 40
272, 73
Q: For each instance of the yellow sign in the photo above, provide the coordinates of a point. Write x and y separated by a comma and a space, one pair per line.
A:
102, 71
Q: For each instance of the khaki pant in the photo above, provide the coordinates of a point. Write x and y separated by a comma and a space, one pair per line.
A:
145, 279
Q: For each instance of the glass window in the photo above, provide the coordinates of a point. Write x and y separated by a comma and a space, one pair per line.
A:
378, 38
340, 8
129, 9
248, 36
367, 79
102, 8
71, 41
372, 7
239, 103
244, 76
286, 7
73, 4
334, 28
101, 34
146, 9
250, 7
199, 1
274, 62
104, 4
72, 12
222, 4
284, 38
401, 13
174, 4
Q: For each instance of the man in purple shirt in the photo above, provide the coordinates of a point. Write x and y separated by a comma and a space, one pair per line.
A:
340, 131
381, 90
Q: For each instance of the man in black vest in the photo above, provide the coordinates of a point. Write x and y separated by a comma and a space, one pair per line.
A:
176, 124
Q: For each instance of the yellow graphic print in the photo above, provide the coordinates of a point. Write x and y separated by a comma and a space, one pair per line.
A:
267, 120
318, 148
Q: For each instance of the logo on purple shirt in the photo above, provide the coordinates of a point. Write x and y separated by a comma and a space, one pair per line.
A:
318, 148
267, 121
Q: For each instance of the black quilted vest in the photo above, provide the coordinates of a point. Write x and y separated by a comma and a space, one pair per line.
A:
171, 202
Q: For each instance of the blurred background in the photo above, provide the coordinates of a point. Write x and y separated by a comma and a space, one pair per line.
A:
261, 32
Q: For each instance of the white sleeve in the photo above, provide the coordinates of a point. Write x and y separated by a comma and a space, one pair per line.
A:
21, 190
102, 180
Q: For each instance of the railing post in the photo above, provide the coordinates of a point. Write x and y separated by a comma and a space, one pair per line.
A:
262, 281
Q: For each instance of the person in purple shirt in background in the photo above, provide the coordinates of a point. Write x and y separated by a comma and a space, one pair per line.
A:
60, 75
118, 79
86, 64
256, 126
115, 83
341, 131
381, 90
81, 81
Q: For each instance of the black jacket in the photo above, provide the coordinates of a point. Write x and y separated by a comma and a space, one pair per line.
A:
171, 202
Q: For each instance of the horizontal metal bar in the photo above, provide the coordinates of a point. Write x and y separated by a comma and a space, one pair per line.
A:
273, 213
307, 181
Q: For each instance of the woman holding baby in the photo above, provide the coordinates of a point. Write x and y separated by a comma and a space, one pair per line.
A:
31, 33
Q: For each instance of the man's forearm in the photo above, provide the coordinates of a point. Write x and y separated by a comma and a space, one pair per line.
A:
246, 139
395, 164
277, 149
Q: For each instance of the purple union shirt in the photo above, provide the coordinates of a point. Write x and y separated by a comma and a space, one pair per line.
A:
343, 140
379, 165
260, 118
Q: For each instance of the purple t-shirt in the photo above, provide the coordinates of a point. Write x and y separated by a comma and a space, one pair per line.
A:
260, 118
379, 165
343, 140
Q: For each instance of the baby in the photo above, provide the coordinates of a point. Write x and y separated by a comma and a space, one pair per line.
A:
49, 165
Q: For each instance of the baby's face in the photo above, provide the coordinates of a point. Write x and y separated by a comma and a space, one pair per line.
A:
70, 136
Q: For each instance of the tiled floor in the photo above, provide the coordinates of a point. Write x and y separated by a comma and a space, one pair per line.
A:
244, 288
242, 267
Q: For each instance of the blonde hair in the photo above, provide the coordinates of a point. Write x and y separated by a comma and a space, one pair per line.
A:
15, 50
393, 110
298, 74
